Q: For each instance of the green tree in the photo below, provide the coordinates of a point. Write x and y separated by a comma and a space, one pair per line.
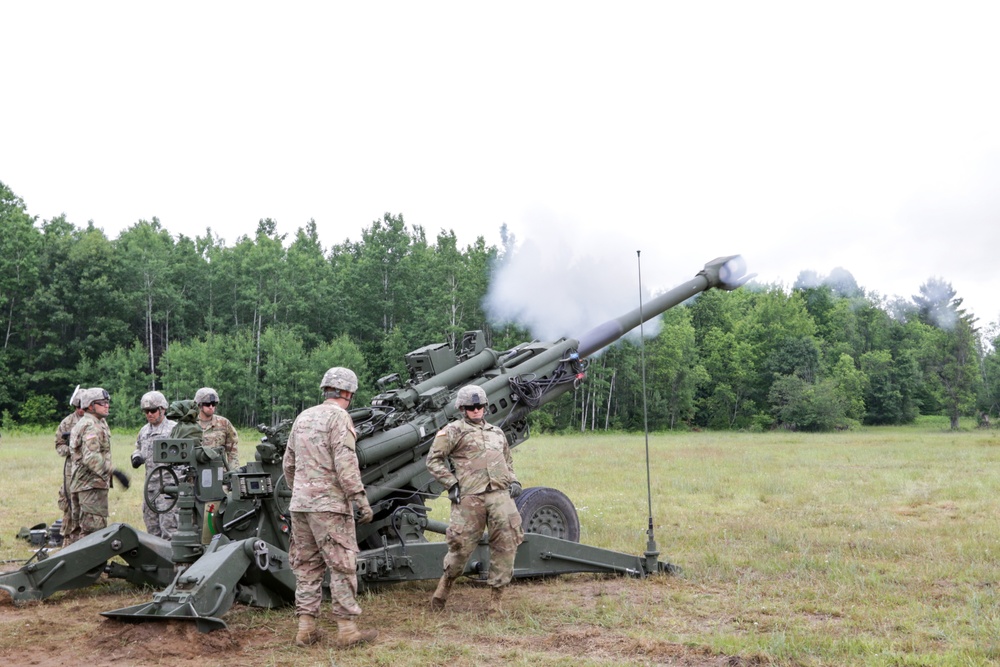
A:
144, 251
675, 368
950, 352
20, 245
314, 302
890, 389
124, 374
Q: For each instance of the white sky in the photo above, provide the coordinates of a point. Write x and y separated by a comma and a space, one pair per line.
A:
803, 135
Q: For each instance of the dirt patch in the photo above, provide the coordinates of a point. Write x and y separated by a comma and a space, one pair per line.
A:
574, 620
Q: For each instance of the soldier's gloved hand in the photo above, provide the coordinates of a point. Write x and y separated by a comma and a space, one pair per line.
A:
515, 489
137, 459
122, 478
454, 494
363, 513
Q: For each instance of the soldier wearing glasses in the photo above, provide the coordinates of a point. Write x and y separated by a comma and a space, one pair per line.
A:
481, 490
217, 431
154, 406
90, 451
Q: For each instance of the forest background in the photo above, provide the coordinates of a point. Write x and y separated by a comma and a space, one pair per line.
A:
261, 320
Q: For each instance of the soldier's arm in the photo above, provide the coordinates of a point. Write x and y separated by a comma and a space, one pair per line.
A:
288, 463
508, 457
93, 457
345, 458
62, 440
437, 459
233, 449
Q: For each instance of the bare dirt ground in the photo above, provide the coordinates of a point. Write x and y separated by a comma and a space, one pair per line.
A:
555, 622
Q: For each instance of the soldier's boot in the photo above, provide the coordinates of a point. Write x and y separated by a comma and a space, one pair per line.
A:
496, 600
349, 635
308, 632
441, 593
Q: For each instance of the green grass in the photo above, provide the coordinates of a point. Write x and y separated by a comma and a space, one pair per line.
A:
873, 547
865, 547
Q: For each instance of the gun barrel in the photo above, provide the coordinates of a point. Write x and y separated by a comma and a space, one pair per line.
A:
724, 272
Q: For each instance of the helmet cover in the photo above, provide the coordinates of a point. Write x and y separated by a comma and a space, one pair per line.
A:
340, 378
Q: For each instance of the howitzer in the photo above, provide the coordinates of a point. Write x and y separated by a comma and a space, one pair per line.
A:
247, 509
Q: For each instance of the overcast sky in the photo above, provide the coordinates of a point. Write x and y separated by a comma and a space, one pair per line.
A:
803, 135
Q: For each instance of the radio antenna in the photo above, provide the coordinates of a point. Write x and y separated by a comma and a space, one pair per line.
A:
652, 552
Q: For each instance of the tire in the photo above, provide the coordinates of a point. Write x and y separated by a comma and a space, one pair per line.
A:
547, 511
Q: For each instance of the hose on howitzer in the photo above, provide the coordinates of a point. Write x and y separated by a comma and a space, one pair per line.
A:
530, 389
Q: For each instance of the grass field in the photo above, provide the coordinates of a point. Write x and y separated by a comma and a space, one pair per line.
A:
872, 547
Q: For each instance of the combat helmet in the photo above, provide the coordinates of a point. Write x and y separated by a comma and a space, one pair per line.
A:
153, 399
471, 394
206, 395
74, 400
340, 378
88, 396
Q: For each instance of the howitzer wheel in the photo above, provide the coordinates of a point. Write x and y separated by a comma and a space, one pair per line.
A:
282, 496
160, 501
547, 511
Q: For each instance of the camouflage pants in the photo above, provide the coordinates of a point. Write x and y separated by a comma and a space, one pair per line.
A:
322, 540
63, 502
495, 511
90, 512
161, 525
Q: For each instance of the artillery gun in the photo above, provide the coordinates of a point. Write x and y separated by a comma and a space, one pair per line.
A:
246, 510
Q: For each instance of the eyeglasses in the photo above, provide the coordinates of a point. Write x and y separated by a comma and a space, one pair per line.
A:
477, 406
211, 404
102, 403
150, 411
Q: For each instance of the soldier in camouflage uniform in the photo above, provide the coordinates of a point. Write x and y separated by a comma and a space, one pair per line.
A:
217, 431
62, 449
481, 491
90, 450
321, 468
154, 406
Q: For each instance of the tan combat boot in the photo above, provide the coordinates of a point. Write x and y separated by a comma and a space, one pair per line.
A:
441, 593
308, 632
349, 635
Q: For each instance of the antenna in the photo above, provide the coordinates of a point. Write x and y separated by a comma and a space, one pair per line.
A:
652, 552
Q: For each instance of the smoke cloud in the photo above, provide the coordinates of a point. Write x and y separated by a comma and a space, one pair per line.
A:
561, 281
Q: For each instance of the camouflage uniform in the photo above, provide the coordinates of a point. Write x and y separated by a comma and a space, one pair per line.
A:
161, 525
218, 432
90, 449
484, 472
62, 448
321, 468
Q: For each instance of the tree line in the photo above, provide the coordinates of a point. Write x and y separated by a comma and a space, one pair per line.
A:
260, 319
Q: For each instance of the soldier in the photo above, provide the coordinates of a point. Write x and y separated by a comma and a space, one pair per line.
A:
321, 468
62, 449
154, 406
481, 491
90, 449
216, 431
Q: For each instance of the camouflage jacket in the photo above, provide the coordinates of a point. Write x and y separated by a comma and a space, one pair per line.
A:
149, 433
320, 463
62, 433
218, 432
479, 453
90, 449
